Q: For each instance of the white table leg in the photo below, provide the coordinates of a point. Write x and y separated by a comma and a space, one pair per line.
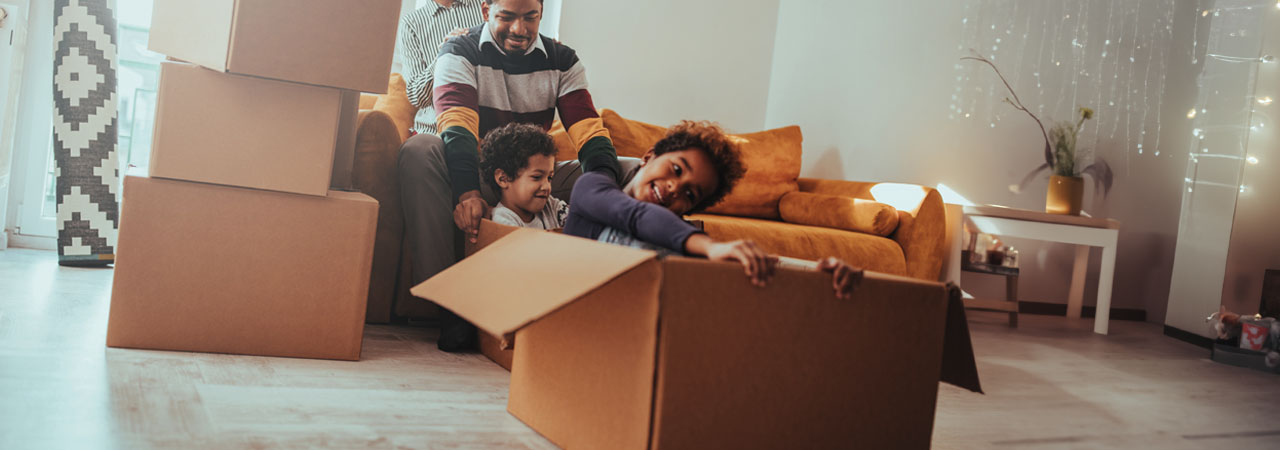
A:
1105, 273
1075, 297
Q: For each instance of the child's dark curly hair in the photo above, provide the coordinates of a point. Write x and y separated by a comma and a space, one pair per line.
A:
712, 140
509, 148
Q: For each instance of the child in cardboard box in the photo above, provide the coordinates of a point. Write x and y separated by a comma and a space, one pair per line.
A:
517, 160
690, 169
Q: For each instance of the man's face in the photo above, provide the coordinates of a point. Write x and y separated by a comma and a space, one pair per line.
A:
514, 23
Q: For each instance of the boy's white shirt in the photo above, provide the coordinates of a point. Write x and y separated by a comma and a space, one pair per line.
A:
551, 217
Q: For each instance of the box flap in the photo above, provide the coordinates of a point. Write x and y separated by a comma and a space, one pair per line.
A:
525, 276
175, 22
958, 365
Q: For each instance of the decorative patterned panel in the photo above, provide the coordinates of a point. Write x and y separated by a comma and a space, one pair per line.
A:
84, 131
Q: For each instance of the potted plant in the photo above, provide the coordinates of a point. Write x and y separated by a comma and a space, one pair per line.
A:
1061, 155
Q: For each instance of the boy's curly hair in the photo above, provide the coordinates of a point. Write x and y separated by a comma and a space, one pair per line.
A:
712, 140
509, 148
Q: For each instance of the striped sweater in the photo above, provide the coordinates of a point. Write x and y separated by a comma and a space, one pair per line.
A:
478, 87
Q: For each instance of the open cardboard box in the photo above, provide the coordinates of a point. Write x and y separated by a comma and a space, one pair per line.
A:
618, 348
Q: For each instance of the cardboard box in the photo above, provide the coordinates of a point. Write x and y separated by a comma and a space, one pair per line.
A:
499, 350
617, 348
251, 132
336, 43
221, 269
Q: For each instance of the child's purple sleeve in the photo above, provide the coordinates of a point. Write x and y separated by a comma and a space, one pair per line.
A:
598, 202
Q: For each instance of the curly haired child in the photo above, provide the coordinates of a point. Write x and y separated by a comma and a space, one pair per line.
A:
690, 169
517, 160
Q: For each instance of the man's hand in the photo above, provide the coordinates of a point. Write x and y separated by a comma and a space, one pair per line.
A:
471, 208
452, 34
757, 264
843, 276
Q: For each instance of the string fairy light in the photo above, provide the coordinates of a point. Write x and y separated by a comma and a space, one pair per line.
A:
1111, 56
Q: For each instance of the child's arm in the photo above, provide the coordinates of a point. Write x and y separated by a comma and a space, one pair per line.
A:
843, 276
757, 264
597, 197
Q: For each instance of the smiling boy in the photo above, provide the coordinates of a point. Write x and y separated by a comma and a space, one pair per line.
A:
517, 160
690, 169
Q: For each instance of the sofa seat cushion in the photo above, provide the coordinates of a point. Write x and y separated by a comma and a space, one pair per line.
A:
809, 242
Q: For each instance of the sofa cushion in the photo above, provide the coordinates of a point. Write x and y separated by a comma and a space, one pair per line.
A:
396, 104
631, 137
835, 211
772, 158
809, 242
565, 150
367, 100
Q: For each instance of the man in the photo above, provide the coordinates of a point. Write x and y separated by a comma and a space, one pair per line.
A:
422, 32
500, 72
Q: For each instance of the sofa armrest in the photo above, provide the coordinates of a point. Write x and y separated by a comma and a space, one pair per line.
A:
375, 174
921, 218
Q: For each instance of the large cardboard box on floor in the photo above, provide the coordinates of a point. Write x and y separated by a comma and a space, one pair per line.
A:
617, 348
220, 269
338, 43
252, 132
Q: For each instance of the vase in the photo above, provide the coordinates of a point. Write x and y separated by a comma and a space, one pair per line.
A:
1066, 194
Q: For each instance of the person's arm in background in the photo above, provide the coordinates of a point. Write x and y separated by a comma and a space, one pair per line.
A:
457, 104
418, 57
578, 114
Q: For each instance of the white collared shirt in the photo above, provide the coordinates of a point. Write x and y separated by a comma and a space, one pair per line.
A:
421, 33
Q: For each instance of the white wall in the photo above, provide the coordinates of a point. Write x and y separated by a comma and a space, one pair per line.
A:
869, 84
661, 61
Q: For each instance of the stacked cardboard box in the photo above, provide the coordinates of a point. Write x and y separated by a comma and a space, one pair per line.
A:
242, 238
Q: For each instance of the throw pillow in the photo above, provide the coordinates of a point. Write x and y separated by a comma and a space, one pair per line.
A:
396, 104
565, 150
835, 211
630, 137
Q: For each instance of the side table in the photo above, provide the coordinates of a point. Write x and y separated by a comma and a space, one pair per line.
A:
1084, 232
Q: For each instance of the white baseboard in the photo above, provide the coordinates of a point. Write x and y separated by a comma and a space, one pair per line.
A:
31, 242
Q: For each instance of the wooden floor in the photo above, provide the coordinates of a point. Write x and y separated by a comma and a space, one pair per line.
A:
1051, 384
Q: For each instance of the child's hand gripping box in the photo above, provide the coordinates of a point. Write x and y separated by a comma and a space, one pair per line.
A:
616, 348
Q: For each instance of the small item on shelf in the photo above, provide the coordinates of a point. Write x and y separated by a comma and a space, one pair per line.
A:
980, 246
1011, 257
996, 257
1255, 333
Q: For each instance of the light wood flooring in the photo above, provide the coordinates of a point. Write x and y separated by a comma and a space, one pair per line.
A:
1051, 384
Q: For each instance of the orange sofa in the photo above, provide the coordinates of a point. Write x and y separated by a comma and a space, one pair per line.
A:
905, 223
